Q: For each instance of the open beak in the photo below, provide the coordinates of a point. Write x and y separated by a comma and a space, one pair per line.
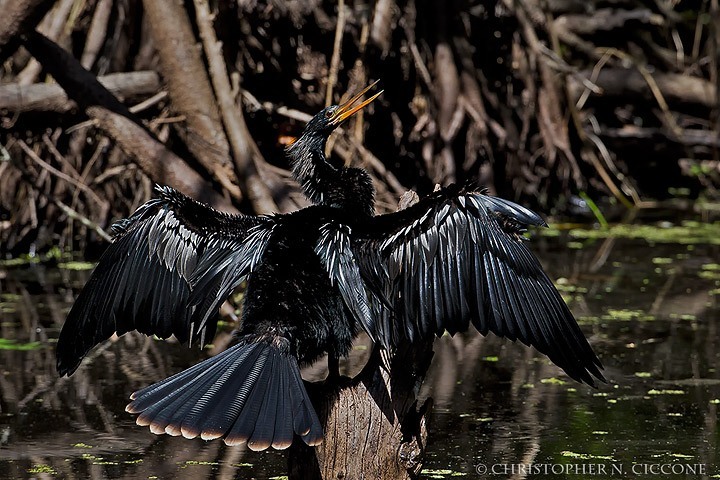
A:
346, 110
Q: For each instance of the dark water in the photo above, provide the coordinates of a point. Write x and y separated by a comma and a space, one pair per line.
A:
650, 310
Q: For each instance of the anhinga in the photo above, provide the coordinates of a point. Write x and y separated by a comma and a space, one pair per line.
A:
315, 278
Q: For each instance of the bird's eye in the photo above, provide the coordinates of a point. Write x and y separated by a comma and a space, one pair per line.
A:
329, 113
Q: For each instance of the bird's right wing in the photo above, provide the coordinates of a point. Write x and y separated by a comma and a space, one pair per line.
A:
458, 257
172, 264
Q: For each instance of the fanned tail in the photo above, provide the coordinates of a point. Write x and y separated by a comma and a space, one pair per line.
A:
252, 392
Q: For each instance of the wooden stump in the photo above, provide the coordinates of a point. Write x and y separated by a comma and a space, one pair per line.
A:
372, 424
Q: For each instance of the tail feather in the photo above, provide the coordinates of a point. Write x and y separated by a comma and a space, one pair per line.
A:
305, 421
182, 421
252, 392
283, 435
189, 408
177, 401
219, 420
166, 386
221, 404
171, 387
264, 432
244, 427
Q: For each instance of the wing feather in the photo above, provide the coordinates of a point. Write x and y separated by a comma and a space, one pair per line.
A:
334, 249
171, 265
458, 257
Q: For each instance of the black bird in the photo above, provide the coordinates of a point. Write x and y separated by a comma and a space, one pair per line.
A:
315, 278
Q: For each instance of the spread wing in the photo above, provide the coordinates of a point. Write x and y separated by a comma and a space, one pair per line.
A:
457, 258
172, 264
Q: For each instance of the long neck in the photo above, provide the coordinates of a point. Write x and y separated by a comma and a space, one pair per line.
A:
310, 168
326, 184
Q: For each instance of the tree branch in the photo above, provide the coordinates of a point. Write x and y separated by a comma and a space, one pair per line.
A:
160, 164
190, 92
49, 97
19, 16
245, 151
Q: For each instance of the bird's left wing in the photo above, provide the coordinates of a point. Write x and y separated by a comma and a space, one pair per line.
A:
458, 257
171, 265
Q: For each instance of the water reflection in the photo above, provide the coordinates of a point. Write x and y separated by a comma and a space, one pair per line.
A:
651, 312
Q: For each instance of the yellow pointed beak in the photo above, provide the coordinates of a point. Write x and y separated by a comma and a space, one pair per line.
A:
347, 110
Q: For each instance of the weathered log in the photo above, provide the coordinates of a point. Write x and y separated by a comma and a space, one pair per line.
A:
156, 161
606, 19
658, 136
48, 97
630, 83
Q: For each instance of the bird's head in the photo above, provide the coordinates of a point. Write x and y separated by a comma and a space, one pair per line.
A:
329, 118
317, 174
